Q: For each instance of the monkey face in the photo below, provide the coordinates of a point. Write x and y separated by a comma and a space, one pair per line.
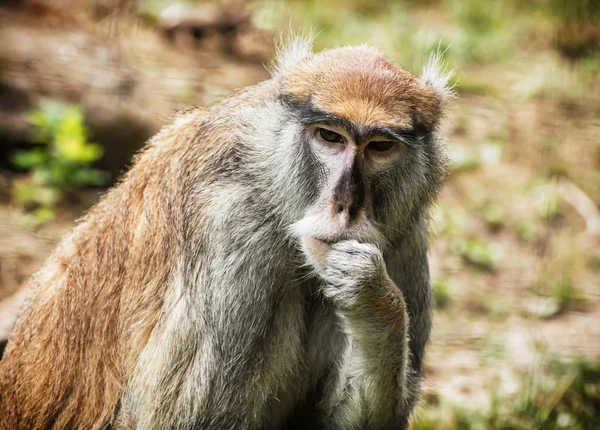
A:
358, 167
369, 128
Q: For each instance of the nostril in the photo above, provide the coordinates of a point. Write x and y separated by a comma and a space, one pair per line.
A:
339, 208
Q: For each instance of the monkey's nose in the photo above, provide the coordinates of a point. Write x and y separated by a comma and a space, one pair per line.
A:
347, 203
344, 211
348, 194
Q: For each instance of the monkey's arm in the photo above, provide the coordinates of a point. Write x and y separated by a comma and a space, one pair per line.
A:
408, 266
368, 387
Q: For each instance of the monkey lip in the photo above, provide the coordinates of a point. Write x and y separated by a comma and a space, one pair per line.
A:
317, 249
329, 240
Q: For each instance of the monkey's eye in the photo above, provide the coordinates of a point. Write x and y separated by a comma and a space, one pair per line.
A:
381, 145
330, 136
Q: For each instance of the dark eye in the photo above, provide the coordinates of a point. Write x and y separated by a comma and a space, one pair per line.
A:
330, 136
381, 145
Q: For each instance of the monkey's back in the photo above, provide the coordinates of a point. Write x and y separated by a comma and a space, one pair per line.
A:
97, 298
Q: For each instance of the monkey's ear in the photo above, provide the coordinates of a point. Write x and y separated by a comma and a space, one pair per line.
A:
291, 51
437, 77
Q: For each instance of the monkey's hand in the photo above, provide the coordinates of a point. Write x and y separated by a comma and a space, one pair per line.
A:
370, 382
356, 279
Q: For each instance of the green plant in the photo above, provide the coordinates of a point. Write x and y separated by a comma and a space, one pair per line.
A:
463, 159
474, 251
493, 215
576, 26
527, 230
559, 394
558, 279
60, 163
441, 293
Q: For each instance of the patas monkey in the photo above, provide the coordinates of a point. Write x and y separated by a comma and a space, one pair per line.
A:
262, 265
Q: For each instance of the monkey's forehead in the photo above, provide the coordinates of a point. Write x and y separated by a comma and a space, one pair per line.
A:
361, 85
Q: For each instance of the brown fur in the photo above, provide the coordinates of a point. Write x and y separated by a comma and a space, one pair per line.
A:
72, 349
364, 87
98, 297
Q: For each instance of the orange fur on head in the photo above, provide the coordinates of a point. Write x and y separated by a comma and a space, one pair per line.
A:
361, 85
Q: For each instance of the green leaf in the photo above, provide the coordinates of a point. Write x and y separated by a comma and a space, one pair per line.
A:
478, 254
87, 176
46, 121
46, 196
28, 159
62, 164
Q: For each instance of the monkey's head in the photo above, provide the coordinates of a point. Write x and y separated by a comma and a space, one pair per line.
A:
359, 138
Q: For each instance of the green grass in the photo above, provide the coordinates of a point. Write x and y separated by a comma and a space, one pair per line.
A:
559, 394
475, 251
557, 278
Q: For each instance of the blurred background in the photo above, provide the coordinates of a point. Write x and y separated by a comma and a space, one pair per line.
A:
516, 250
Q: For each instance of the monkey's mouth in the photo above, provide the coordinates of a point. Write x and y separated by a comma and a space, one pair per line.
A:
330, 240
317, 234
